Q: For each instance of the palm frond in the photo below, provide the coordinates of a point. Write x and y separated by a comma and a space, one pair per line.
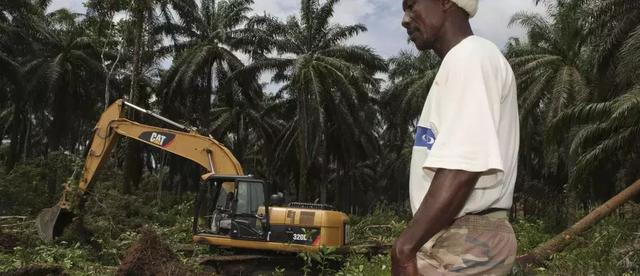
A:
338, 34
629, 56
359, 55
322, 16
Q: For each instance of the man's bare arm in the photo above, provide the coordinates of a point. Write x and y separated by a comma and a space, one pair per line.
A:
447, 195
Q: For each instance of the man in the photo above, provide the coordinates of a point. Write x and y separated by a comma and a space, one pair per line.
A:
464, 160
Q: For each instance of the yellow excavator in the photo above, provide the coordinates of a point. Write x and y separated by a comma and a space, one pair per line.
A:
232, 210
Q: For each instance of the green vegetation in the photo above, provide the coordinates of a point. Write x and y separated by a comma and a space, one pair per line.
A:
333, 128
115, 220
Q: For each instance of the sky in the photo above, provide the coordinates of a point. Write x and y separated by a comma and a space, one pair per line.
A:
382, 19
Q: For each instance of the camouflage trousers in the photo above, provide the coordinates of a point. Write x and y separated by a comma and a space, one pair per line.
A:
472, 245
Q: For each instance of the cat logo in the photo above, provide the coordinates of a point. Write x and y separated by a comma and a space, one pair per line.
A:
162, 139
157, 138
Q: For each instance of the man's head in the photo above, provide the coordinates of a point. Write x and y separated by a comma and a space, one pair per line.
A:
424, 19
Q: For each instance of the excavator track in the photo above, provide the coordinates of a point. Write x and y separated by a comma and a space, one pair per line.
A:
266, 263
253, 264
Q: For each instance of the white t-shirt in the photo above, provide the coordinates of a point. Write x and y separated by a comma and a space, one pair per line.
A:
470, 122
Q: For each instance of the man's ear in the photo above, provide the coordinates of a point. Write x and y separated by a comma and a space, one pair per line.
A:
446, 4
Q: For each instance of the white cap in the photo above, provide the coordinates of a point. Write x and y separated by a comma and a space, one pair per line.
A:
471, 6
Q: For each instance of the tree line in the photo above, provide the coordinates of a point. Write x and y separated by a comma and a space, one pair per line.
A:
333, 131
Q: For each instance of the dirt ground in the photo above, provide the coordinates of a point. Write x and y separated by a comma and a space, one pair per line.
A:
149, 255
7, 242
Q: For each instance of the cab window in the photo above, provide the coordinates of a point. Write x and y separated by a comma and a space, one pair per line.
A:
250, 196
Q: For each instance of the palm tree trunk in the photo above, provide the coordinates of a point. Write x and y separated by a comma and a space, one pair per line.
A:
132, 162
162, 160
206, 104
324, 171
138, 18
302, 182
560, 241
17, 127
26, 138
108, 77
109, 71
303, 144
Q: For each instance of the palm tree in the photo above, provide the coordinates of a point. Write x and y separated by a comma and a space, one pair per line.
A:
12, 111
205, 56
243, 126
629, 54
615, 26
205, 44
605, 131
327, 84
575, 72
14, 45
553, 74
410, 77
551, 67
64, 69
608, 134
144, 15
52, 71
616, 36
108, 37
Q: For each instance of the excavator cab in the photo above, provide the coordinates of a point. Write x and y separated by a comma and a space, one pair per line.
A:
234, 211
233, 206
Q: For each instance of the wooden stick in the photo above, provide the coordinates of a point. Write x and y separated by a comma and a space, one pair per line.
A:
12, 217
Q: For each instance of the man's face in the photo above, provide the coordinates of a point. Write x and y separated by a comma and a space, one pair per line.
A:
423, 20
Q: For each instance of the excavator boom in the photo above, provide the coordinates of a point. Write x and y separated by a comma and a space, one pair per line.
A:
205, 151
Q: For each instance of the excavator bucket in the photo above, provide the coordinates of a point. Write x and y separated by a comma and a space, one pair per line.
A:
52, 221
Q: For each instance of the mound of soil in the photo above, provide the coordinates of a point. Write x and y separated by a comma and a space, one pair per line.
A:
8, 242
37, 270
149, 255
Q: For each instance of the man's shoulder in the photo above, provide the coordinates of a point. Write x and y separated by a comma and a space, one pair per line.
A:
477, 49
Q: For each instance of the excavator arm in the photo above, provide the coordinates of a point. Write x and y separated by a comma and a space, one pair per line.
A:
214, 157
205, 151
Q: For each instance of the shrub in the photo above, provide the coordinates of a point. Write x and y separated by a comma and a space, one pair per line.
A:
35, 184
357, 265
383, 225
530, 233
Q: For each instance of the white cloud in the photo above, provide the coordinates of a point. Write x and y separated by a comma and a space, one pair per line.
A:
493, 18
385, 34
349, 12
73, 5
277, 8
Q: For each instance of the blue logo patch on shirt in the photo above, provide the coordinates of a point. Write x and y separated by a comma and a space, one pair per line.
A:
424, 138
